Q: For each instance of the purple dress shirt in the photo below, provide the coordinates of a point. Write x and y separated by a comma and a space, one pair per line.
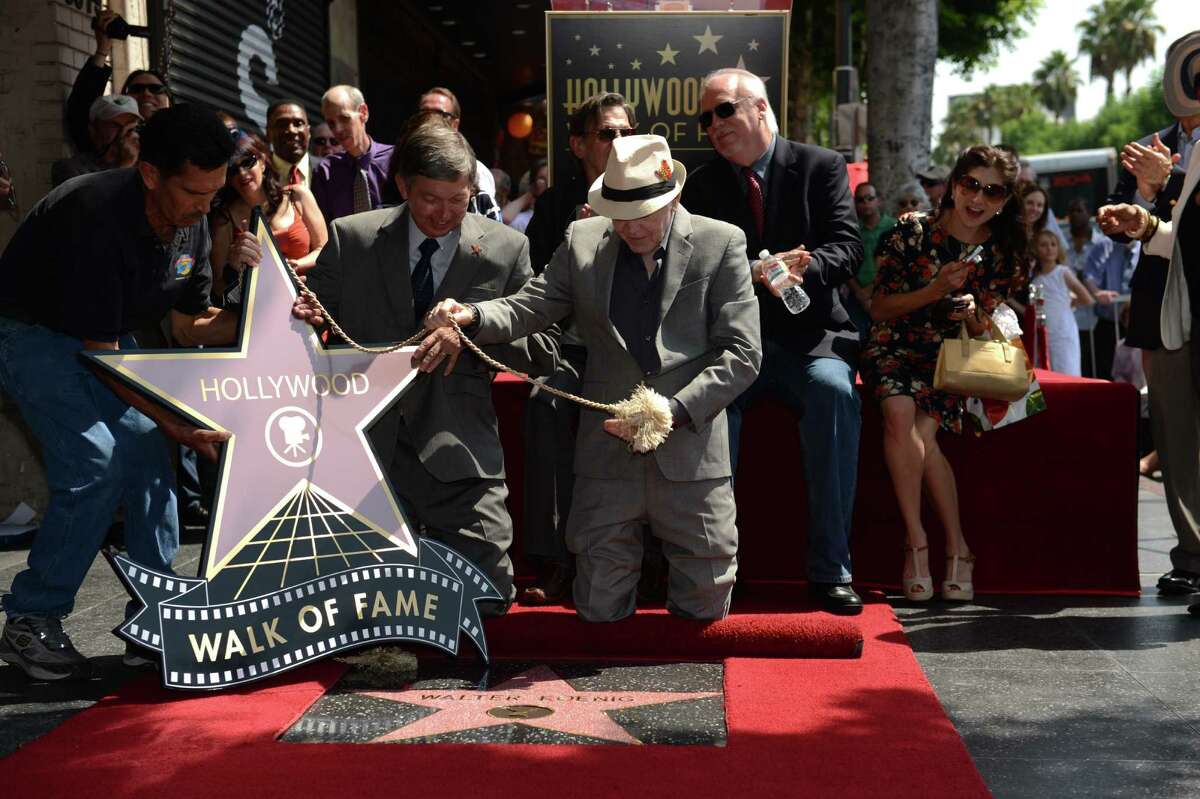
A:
333, 180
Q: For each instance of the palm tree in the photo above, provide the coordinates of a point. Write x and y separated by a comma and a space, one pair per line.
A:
1056, 85
1099, 37
1138, 30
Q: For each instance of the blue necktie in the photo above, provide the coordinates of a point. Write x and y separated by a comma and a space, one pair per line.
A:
422, 279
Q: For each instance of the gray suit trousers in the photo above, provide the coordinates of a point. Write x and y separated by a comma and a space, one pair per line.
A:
693, 519
468, 515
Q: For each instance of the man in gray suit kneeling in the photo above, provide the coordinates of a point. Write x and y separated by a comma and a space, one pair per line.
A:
664, 298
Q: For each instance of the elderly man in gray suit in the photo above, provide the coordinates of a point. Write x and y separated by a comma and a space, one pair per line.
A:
660, 297
377, 276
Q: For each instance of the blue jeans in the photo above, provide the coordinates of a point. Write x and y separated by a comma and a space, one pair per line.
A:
821, 392
99, 452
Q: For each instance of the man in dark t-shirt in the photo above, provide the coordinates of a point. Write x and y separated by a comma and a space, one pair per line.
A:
95, 260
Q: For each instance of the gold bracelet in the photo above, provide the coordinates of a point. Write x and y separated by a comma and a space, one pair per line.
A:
1143, 222
1150, 230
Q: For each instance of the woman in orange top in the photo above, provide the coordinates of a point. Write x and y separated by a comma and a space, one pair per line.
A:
292, 213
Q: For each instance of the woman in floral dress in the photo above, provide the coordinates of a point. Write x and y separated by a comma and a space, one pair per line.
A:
924, 291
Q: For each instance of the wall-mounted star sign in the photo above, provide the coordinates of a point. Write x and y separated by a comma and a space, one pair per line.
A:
707, 40
537, 698
298, 415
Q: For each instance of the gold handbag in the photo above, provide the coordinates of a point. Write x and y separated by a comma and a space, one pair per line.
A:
985, 368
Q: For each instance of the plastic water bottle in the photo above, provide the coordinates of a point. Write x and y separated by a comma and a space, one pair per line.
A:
794, 297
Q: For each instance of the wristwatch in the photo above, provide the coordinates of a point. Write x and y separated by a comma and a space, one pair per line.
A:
474, 323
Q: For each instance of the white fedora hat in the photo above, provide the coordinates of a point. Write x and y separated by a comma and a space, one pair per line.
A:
1181, 78
640, 178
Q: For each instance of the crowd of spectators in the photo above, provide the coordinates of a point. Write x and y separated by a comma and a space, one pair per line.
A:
878, 307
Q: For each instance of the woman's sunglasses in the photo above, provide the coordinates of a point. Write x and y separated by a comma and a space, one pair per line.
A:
153, 88
245, 162
324, 142
610, 134
993, 191
723, 110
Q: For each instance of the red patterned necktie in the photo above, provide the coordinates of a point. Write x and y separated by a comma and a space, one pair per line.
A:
295, 176
754, 196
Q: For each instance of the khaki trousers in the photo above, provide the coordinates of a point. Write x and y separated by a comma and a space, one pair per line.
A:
1175, 421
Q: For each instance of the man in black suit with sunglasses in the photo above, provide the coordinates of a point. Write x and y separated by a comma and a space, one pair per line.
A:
794, 201
549, 424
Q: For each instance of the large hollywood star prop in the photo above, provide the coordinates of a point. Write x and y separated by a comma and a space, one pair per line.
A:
306, 537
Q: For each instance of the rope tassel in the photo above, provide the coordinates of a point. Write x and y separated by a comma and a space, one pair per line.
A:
648, 417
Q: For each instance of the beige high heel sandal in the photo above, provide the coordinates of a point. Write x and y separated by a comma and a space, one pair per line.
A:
917, 588
954, 589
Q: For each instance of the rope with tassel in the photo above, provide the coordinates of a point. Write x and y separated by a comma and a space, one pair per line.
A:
646, 414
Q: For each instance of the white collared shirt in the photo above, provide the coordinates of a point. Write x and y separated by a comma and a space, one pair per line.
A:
283, 169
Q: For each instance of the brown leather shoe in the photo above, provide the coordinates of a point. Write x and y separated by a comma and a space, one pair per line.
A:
552, 589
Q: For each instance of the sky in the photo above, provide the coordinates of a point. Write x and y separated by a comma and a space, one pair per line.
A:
1054, 29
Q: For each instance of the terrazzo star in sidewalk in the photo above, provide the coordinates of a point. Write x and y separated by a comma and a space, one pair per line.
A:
535, 698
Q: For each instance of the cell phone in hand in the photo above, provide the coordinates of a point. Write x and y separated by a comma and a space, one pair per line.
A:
975, 255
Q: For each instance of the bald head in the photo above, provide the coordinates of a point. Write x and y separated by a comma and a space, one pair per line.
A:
740, 122
345, 111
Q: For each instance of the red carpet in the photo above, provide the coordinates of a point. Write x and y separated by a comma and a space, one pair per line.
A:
869, 727
755, 630
1049, 505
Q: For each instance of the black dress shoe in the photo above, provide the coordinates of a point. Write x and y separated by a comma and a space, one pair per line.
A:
837, 598
1194, 608
1179, 582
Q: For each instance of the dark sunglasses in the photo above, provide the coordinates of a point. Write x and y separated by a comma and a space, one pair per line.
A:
609, 134
245, 162
993, 191
723, 110
910, 201
153, 88
445, 114
321, 140
926, 183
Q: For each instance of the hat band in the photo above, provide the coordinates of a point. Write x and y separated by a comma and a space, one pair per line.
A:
634, 195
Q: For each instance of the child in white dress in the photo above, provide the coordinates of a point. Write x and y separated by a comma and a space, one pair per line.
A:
1061, 291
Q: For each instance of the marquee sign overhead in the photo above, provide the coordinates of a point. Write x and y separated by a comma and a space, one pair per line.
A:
657, 61
308, 551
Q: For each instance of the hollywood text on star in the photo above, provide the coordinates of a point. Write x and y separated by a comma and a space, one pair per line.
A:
266, 387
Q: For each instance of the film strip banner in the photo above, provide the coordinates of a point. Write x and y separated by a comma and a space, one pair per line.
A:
206, 645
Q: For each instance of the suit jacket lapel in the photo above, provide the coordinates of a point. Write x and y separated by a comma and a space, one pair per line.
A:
391, 259
461, 274
605, 264
781, 163
679, 253
730, 186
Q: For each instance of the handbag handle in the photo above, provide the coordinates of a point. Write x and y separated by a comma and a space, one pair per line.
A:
965, 338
